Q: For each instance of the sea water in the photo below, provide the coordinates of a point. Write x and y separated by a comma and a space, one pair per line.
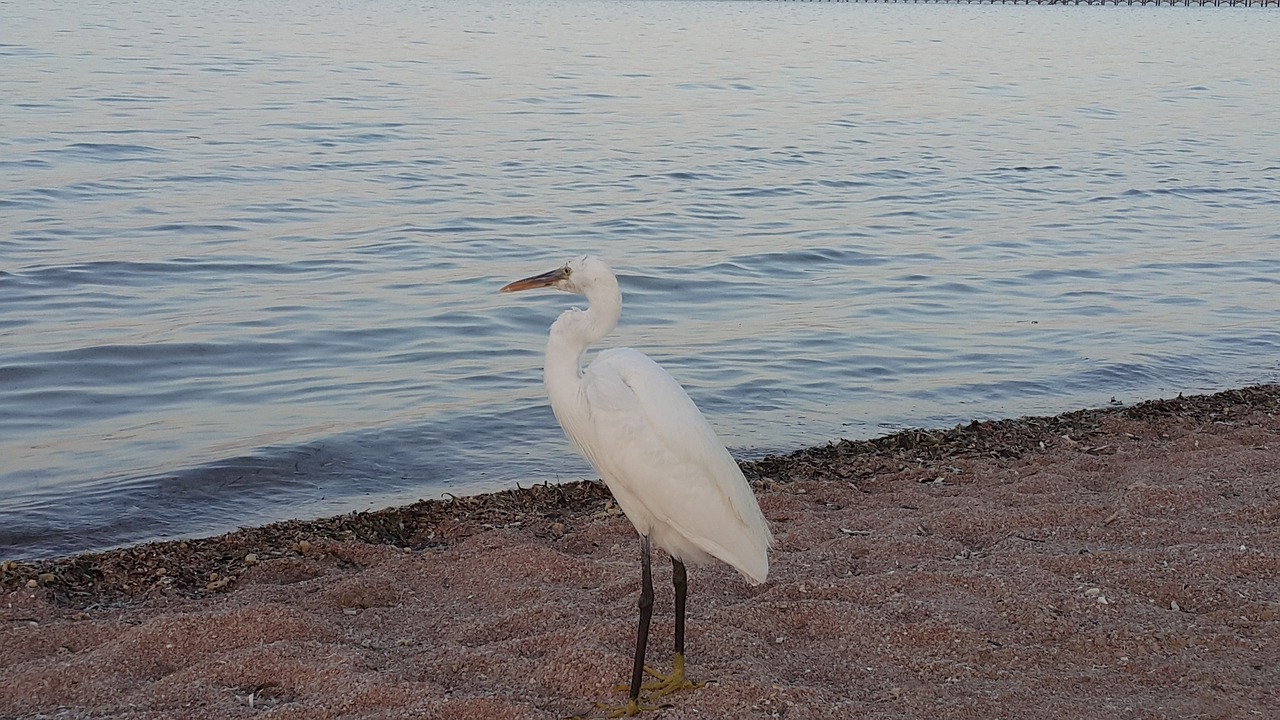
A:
250, 251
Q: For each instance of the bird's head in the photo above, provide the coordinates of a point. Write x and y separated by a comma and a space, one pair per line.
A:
577, 276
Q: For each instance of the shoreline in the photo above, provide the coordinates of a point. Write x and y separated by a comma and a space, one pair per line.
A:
201, 566
1122, 561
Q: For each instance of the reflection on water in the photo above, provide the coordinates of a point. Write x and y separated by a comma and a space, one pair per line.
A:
251, 253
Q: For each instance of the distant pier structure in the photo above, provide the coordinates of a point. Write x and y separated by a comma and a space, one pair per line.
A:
1233, 3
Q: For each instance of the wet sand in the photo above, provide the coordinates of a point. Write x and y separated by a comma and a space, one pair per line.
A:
1105, 563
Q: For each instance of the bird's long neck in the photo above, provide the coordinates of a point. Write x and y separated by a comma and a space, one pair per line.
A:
572, 334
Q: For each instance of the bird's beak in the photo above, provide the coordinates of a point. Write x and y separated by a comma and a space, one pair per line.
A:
546, 279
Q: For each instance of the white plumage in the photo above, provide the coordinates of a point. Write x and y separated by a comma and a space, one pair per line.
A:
669, 472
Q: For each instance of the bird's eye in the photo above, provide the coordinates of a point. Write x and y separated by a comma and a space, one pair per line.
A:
568, 271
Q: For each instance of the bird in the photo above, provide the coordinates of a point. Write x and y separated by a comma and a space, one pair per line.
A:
660, 458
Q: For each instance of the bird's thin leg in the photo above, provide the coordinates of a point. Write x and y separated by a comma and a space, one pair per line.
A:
646, 614
638, 669
667, 684
680, 581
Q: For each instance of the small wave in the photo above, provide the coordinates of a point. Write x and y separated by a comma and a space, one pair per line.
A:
192, 228
803, 259
129, 99
761, 192
130, 273
112, 152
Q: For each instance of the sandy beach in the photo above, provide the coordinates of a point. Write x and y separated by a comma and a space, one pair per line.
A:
1122, 562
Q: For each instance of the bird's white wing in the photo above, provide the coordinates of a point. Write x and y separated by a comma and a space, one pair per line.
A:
664, 463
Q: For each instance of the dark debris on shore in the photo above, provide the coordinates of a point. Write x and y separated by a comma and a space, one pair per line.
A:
857, 459
209, 565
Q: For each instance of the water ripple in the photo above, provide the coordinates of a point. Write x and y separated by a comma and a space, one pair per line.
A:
251, 273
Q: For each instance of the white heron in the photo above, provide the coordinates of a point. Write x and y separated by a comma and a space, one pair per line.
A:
660, 458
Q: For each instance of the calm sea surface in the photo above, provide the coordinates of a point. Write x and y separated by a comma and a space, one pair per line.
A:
250, 251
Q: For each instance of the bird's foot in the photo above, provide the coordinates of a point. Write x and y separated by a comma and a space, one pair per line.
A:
662, 686
667, 684
633, 707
